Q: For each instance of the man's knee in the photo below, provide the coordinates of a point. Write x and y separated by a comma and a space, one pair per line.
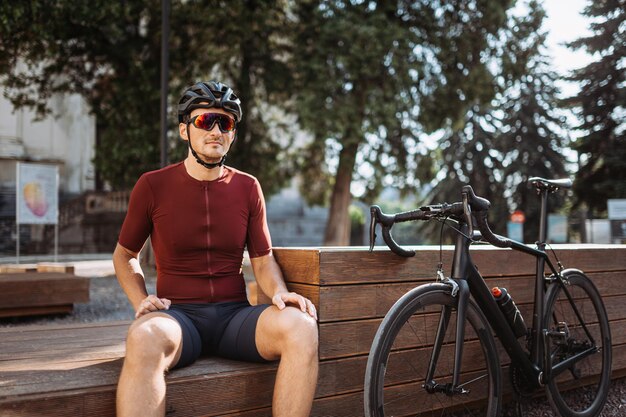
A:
299, 331
152, 338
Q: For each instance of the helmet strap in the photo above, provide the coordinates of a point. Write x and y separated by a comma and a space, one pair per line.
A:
207, 165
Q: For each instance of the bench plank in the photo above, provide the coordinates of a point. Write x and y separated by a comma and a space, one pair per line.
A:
42, 289
352, 265
371, 300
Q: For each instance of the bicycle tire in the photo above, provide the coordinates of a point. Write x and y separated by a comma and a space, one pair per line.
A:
400, 354
581, 390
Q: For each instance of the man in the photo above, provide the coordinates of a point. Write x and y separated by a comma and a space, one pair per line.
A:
200, 214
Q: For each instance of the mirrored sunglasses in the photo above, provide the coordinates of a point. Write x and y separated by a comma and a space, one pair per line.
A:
206, 121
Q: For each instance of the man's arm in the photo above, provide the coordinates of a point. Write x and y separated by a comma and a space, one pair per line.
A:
270, 279
131, 279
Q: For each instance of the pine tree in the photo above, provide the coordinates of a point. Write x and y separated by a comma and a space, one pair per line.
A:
513, 138
600, 107
533, 133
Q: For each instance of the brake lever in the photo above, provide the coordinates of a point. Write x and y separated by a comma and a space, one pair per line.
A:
467, 211
373, 218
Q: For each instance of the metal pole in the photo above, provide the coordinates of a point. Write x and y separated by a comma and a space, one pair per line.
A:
17, 212
56, 242
17, 244
56, 222
165, 57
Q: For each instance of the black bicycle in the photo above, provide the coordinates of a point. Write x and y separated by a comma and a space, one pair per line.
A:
435, 353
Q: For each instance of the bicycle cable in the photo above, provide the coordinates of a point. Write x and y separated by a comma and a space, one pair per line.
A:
558, 261
454, 228
440, 274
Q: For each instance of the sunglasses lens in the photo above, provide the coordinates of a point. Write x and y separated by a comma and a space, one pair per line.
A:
206, 121
227, 124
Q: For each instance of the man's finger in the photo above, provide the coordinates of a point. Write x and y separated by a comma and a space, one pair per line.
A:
278, 302
152, 303
312, 310
155, 304
296, 299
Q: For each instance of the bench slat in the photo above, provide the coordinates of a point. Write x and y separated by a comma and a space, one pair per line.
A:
42, 289
351, 265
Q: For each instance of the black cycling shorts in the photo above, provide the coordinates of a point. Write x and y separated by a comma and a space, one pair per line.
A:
222, 329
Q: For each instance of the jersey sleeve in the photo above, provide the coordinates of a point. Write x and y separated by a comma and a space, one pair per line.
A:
137, 225
258, 238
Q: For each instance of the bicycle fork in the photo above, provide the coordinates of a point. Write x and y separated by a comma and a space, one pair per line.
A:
452, 388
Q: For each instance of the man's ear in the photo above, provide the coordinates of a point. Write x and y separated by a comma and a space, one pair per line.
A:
182, 131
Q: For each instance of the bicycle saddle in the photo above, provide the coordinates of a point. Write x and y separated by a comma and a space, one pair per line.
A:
550, 185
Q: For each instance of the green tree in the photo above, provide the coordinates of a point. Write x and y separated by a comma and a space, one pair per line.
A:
109, 52
516, 136
533, 133
384, 71
467, 157
600, 107
105, 51
246, 44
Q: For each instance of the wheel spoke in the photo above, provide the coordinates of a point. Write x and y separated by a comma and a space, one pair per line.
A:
408, 334
579, 328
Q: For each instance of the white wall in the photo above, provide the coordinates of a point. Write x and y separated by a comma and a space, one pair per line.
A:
66, 137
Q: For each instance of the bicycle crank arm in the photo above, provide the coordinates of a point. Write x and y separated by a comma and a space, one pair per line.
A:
449, 389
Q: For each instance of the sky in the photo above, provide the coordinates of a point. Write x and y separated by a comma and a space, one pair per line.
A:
564, 23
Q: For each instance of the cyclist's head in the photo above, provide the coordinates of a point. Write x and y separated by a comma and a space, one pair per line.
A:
208, 95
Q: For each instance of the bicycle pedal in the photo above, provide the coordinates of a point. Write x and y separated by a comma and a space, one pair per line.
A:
447, 389
561, 331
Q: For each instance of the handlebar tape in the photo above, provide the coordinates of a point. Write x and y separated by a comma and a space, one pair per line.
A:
487, 234
395, 248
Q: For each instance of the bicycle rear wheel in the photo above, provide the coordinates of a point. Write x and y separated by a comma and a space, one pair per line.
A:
401, 353
581, 389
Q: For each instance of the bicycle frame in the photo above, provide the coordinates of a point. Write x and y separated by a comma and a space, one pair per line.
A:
465, 274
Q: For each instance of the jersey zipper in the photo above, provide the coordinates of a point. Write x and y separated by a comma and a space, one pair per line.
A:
208, 240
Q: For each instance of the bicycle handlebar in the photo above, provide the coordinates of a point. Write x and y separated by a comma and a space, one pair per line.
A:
472, 206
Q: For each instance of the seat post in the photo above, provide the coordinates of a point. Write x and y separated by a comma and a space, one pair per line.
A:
543, 220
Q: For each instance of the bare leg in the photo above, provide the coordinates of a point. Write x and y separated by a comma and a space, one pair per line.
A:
153, 344
290, 335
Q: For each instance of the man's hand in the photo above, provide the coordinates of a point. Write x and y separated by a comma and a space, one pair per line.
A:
281, 299
152, 303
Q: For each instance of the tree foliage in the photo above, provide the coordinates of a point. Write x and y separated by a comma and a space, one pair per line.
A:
246, 44
517, 135
109, 52
367, 79
105, 51
387, 71
601, 107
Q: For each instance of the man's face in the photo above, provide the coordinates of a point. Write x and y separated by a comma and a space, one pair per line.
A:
212, 144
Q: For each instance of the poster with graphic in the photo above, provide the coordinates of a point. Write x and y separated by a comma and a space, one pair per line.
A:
37, 194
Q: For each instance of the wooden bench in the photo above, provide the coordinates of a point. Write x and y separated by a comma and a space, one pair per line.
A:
75, 369
33, 293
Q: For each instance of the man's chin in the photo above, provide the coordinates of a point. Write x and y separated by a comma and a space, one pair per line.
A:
211, 159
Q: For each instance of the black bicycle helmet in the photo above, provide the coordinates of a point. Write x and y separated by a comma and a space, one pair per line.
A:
206, 95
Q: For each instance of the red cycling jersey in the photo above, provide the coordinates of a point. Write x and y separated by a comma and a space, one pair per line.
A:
198, 231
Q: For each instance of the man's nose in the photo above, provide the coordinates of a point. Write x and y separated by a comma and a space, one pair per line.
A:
215, 129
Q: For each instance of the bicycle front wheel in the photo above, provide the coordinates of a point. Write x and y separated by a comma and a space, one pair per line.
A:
577, 328
401, 354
